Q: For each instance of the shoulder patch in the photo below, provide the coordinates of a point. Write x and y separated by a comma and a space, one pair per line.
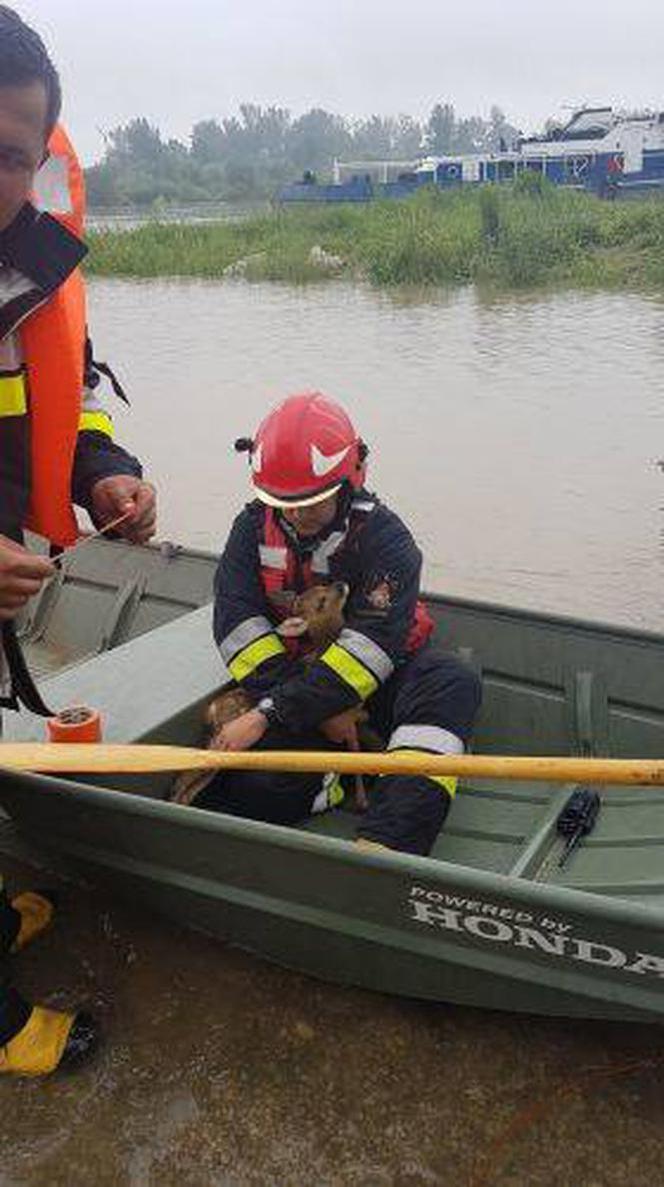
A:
379, 593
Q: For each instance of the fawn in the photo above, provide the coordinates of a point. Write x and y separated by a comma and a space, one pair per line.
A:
316, 618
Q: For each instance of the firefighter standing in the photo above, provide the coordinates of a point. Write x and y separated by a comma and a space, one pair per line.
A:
56, 442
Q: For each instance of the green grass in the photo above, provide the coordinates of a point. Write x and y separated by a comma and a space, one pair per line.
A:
508, 237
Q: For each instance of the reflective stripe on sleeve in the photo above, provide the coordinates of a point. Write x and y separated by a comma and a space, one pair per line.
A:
13, 398
358, 661
95, 422
249, 645
350, 670
254, 655
244, 634
369, 653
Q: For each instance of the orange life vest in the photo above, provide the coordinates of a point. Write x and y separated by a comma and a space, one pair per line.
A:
53, 343
279, 569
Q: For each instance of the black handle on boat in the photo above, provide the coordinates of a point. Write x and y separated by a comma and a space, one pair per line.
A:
577, 819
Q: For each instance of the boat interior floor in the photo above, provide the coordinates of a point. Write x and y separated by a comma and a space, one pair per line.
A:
510, 829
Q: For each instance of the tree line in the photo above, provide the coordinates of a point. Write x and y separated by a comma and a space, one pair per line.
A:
251, 154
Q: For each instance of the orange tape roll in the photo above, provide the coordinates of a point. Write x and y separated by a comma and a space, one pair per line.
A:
77, 724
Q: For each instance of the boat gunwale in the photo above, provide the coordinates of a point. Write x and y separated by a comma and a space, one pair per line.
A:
502, 609
544, 618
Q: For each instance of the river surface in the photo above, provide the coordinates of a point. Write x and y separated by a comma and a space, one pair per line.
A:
520, 440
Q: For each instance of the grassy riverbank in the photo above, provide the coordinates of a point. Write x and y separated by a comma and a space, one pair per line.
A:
505, 237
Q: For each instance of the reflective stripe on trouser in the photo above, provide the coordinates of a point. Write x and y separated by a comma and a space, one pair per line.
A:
429, 705
249, 645
13, 397
428, 739
330, 795
448, 783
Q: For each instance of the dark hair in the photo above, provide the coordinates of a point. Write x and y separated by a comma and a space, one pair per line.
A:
24, 59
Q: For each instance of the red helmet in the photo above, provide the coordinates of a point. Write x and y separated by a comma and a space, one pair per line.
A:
304, 450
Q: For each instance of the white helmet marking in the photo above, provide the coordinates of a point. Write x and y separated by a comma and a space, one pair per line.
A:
257, 459
321, 464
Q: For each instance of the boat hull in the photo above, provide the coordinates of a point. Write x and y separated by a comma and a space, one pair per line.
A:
392, 923
490, 919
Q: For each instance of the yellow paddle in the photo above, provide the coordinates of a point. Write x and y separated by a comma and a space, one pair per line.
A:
105, 758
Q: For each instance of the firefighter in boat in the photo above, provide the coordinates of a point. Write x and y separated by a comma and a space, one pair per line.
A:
312, 521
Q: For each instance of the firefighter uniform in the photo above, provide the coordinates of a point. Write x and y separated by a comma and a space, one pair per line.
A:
56, 442
418, 698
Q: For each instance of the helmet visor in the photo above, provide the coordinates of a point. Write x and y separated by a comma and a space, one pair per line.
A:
297, 500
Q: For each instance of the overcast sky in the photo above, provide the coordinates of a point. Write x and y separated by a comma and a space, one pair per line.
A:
180, 62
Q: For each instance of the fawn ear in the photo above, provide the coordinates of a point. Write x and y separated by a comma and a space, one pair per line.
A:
211, 714
292, 628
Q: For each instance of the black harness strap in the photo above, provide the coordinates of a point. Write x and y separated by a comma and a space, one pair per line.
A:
93, 369
23, 688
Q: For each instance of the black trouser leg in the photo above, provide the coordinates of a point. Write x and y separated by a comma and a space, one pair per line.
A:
278, 797
430, 704
10, 922
14, 1011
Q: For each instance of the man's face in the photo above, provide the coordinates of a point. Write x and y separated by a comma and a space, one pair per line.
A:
23, 111
309, 521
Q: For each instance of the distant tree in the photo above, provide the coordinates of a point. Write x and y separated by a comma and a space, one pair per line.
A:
103, 185
440, 129
471, 135
136, 141
374, 139
207, 142
253, 152
409, 138
316, 138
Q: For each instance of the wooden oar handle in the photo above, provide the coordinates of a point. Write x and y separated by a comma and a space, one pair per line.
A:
104, 758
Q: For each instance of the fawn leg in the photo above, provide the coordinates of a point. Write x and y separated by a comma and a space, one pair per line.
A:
361, 797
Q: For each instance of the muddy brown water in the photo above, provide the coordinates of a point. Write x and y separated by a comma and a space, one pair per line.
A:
520, 439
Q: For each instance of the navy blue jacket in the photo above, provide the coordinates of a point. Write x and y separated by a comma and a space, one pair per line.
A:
368, 547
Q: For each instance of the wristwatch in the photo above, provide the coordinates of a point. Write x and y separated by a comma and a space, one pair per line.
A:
267, 707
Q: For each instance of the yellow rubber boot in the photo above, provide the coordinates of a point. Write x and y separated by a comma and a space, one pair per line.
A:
36, 913
38, 1048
